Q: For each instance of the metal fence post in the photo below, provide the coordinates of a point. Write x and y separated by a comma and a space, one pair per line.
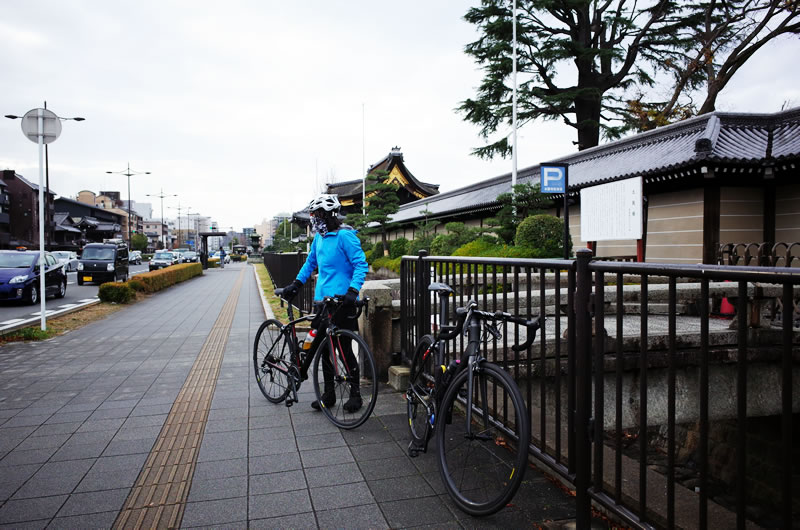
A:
583, 384
423, 304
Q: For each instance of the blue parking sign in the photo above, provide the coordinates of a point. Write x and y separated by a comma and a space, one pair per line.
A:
553, 179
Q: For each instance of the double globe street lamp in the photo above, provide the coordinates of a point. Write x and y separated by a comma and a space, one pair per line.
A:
41, 126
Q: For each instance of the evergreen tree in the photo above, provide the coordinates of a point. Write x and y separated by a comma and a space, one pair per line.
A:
575, 60
382, 202
526, 200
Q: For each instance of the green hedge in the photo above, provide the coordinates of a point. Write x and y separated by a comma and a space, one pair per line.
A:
238, 257
119, 293
157, 280
398, 247
213, 263
387, 263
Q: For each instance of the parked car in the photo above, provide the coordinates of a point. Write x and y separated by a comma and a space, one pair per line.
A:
191, 256
163, 259
68, 258
103, 262
19, 276
135, 257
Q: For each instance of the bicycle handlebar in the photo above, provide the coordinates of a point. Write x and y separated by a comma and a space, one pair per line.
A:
451, 332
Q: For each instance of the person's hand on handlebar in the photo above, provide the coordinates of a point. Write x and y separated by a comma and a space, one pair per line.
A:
290, 291
350, 297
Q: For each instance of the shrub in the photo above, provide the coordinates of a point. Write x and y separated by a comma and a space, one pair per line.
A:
543, 232
156, 280
368, 255
484, 246
136, 285
119, 293
420, 243
213, 263
238, 257
377, 250
398, 247
387, 263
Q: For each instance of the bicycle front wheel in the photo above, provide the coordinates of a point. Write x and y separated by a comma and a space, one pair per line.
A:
420, 397
483, 452
272, 358
345, 379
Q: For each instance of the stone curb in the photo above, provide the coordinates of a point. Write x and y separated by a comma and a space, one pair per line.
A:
33, 320
267, 309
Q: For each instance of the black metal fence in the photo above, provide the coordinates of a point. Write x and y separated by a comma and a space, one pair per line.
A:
283, 269
640, 399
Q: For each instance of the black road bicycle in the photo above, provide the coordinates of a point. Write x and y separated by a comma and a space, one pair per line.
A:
473, 407
342, 362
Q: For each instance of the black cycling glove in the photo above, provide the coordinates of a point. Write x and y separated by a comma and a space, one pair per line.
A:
290, 291
350, 297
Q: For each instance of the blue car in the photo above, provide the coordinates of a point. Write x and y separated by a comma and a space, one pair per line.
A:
19, 276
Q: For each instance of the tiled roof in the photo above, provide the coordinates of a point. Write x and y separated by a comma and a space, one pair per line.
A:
749, 139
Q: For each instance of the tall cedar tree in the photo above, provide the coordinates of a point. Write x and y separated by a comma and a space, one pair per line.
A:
722, 35
603, 46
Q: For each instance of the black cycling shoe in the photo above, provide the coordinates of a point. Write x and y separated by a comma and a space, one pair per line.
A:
328, 400
354, 403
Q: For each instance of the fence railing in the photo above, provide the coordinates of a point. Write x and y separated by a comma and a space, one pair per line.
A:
657, 413
760, 254
283, 269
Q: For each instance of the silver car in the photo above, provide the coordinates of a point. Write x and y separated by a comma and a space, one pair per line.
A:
68, 258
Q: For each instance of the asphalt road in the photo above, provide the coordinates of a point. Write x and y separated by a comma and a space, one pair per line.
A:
12, 312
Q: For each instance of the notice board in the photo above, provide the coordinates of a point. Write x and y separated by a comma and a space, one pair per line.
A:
612, 211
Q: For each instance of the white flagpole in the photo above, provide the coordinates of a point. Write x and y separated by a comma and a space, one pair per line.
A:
514, 104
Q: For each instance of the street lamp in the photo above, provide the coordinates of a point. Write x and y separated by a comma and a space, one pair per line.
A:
41, 126
179, 220
161, 196
127, 172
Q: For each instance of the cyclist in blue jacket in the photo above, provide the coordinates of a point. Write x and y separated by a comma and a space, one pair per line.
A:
336, 252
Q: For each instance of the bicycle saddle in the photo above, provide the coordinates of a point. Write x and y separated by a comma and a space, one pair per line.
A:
440, 288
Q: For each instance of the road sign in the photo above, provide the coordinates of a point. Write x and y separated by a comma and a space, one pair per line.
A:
553, 179
51, 126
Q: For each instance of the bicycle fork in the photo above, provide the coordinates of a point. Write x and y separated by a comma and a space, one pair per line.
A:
473, 365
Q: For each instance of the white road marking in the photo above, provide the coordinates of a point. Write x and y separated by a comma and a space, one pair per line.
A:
12, 321
88, 300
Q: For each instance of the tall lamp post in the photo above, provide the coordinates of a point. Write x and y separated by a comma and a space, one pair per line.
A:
128, 173
161, 196
41, 126
179, 220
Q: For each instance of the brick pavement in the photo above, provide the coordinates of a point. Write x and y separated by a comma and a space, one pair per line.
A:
80, 414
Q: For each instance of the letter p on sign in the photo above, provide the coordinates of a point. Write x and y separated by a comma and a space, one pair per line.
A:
553, 179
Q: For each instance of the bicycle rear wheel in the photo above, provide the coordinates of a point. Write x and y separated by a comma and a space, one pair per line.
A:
272, 359
483, 467
420, 397
345, 379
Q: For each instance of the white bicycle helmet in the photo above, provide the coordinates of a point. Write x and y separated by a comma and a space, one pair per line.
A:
329, 203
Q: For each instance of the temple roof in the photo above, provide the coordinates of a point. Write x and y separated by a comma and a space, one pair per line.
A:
673, 151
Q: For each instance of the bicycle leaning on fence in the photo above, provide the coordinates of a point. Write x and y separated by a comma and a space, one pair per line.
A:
281, 363
473, 407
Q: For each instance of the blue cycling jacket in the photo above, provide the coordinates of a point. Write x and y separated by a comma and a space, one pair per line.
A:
340, 260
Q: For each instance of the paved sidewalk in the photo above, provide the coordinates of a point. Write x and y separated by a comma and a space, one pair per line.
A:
80, 414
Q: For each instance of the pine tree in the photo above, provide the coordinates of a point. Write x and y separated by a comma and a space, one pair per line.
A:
382, 202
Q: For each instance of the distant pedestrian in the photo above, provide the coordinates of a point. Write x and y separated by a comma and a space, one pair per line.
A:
221, 258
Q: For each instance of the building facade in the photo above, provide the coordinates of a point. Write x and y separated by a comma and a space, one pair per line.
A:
709, 181
23, 211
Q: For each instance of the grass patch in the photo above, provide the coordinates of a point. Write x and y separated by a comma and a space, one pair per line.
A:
62, 324
269, 291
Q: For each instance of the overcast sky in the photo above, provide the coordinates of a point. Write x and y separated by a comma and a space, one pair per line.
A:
243, 109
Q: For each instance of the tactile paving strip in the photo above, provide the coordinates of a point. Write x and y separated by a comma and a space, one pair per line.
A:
158, 498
